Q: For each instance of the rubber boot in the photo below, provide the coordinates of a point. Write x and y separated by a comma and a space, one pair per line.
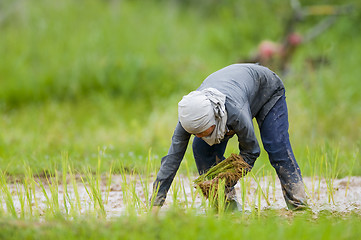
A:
232, 204
295, 196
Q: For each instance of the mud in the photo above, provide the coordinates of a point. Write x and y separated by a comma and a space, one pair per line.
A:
342, 196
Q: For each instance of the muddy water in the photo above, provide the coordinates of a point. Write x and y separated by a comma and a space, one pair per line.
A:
342, 195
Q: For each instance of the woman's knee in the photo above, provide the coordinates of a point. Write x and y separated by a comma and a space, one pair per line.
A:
200, 148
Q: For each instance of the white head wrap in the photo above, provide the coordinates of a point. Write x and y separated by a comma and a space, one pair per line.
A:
199, 110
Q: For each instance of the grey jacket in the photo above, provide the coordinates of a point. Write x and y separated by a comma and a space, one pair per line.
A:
251, 91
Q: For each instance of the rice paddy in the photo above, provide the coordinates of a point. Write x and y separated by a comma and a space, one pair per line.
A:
111, 195
88, 105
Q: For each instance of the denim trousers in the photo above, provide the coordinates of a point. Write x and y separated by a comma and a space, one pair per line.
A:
275, 139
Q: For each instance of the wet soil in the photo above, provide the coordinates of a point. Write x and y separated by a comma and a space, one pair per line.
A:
342, 195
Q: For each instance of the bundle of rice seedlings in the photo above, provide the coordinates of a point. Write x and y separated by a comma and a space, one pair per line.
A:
230, 170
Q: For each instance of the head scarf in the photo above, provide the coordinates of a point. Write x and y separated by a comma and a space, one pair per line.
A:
199, 110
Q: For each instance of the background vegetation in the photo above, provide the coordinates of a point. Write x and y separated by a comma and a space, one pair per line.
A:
79, 77
198, 227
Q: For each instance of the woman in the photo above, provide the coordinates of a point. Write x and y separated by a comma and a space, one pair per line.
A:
223, 106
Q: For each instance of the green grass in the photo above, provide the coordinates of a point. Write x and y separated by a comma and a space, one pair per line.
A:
178, 225
76, 77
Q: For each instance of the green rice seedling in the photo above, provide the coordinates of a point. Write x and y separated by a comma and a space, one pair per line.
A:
154, 194
89, 187
259, 196
325, 167
92, 205
78, 206
331, 173
212, 199
256, 201
137, 193
130, 197
355, 155
221, 196
7, 196
98, 173
320, 176
274, 177
1, 206
145, 181
312, 168
94, 185
194, 192
66, 198
144, 184
54, 190
205, 205
311, 192
108, 183
1, 201
328, 183
28, 193
137, 201
185, 194
68, 177
52, 200
149, 166
132, 201
249, 187
263, 179
217, 199
232, 169
94, 192
252, 204
260, 188
243, 192
49, 202
29, 185
272, 186
268, 183
124, 186
175, 189
189, 199
20, 192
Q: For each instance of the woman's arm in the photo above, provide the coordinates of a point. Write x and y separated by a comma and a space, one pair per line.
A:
241, 122
170, 164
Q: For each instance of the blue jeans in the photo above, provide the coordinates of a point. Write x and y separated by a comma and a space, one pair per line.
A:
275, 139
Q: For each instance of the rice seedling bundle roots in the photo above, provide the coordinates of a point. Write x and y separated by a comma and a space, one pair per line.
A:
229, 170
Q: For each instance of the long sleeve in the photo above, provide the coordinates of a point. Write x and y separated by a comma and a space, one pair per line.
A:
170, 164
240, 120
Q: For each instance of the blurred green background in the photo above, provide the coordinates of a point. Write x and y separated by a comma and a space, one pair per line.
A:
102, 78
